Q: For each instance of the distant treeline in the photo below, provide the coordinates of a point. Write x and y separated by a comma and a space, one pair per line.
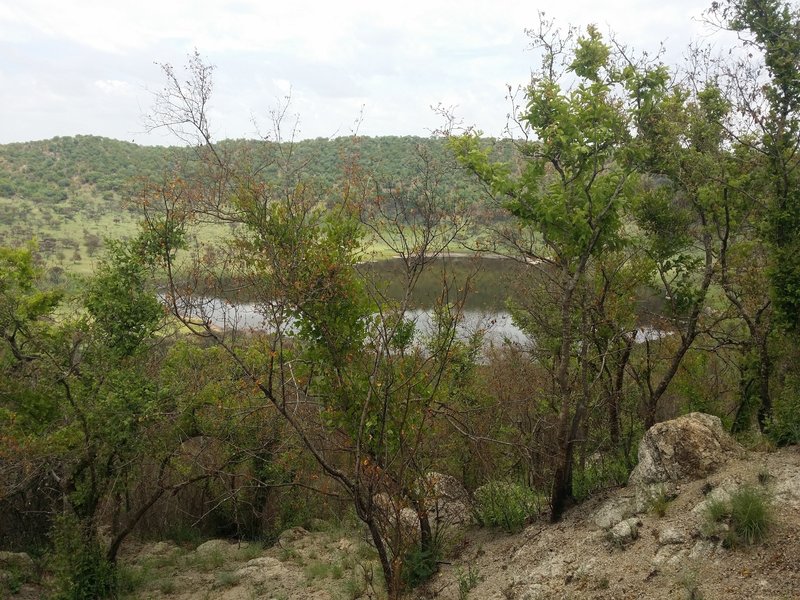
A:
51, 171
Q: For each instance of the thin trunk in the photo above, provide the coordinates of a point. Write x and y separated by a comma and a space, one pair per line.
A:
764, 372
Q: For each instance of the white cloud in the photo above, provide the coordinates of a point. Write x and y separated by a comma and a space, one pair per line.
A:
91, 57
113, 86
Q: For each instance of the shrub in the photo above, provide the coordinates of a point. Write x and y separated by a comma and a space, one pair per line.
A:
746, 514
660, 501
505, 504
81, 569
784, 425
750, 515
467, 580
419, 565
610, 471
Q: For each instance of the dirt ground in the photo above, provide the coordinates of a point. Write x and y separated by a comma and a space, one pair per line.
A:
662, 557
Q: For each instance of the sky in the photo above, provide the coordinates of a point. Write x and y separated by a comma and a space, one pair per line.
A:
92, 66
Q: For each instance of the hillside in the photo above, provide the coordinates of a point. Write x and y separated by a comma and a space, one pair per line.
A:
617, 545
70, 193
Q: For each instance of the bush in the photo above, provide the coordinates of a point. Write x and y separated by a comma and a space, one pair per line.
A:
505, 504
81, 569
419, 565
610, 471
750, 515
784, 425
747, 516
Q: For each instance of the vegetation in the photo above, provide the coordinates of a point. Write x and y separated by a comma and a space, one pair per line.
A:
506, 505
746, 517
650, 216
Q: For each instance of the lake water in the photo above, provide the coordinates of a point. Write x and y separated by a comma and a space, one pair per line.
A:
491, 282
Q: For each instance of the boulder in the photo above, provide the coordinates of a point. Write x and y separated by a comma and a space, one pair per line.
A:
396, 518
624, 532
447, 500
686, 448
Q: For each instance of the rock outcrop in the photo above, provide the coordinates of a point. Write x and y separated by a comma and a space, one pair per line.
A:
686, 448
447, 500
683, 449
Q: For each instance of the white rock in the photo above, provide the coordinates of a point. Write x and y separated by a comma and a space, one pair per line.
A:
613, 512
671, 535
624, 532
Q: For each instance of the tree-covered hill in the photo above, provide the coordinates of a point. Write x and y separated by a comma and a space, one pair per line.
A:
70, 193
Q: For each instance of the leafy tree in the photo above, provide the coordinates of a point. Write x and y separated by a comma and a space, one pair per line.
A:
569, 194
340, 364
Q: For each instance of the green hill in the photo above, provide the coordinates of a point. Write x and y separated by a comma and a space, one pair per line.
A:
70, 193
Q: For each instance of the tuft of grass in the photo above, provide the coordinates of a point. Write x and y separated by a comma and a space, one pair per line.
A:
227, 579
166, 586
286, 554
750, 515
659, 502
354, 587
506, 504
250, 551
747, 515
690, 585
467, 581
210, 561
318, 570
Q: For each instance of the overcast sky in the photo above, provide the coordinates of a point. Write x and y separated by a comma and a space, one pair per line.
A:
88, 66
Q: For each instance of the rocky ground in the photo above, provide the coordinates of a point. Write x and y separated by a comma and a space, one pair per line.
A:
598, 551
651, 539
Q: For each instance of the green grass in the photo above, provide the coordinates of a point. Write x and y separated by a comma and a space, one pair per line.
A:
750, 514
507, 505
747, 515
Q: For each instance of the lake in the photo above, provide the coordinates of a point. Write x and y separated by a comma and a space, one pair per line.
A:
491, 282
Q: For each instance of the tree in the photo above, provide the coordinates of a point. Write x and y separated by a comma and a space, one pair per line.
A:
341, 365
570, 193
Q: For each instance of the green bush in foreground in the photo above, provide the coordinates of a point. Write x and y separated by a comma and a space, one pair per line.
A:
747, 515
505, 504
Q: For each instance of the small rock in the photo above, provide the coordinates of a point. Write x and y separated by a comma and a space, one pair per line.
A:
613, 512
671, 535
716, 495
702, 549
214, 546
624, 532
664, 555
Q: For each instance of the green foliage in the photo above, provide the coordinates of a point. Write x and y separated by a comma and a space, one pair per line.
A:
659, 502
124, 310
611, 471
750, 515
81, 570
773, 30
21, 300
747, 515
419, 565
467, 581
507, 505
784, 424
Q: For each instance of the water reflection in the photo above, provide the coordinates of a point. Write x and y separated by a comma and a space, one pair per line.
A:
489, 281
